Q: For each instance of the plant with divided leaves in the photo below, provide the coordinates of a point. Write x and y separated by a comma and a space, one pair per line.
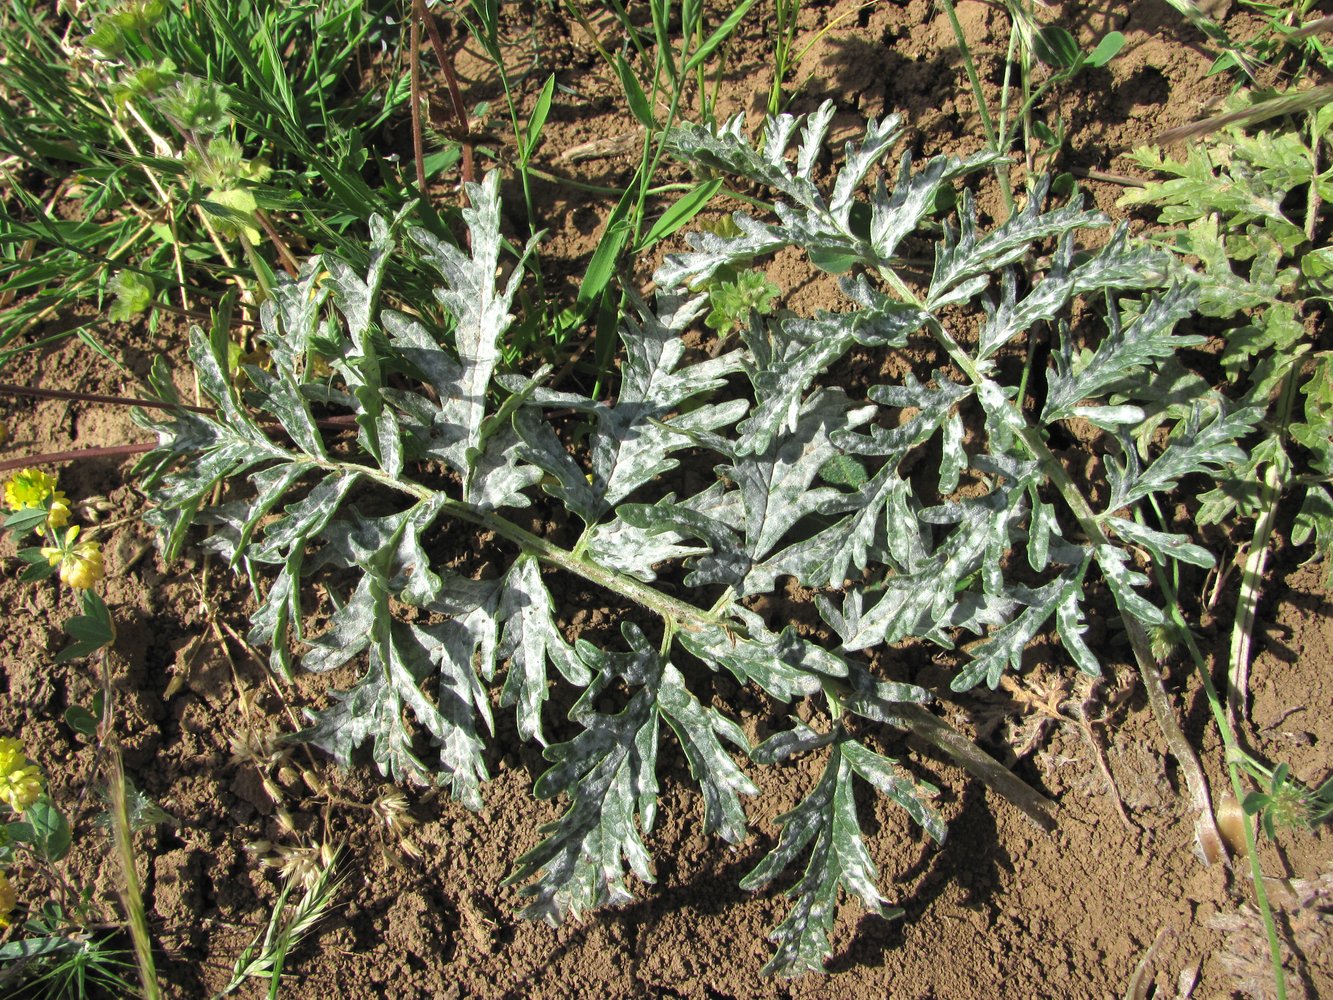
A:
1265, 274
997, 542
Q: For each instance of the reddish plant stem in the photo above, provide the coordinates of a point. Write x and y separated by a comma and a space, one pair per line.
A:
414, 60
86, 397
76, 455
446, 61
288, 261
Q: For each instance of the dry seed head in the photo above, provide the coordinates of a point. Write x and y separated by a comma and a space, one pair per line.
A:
297, 864
258, 848
391, 808
408, 847
271, 789
284, 819
259, 749
93, 509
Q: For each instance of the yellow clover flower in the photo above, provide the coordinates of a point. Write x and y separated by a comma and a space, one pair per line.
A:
20, 781
80, 562
7, 900
33, 488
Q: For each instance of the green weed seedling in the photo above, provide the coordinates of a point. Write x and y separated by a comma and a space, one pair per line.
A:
733, 299
1285, 803
1265, 274
191, 141
1031, 44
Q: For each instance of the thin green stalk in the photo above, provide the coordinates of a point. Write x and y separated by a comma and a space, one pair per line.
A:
785, 16
1271, 487
987, 123
133, 897
1002, 127
1313, 201
1235, 754
524, 153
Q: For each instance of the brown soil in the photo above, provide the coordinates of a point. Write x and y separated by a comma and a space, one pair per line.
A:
1000, 910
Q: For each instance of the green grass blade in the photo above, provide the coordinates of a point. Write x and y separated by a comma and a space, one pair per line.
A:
720, 35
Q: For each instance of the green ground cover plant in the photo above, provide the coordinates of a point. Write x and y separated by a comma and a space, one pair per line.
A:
195, 149
66, 945
992, 546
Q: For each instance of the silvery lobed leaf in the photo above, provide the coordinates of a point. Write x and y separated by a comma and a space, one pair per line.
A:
1198, 445
529, 640
827, 557
878, 700
567, 482
417, 653
608, 774
357, 297
711, 252
787, 743
1122, 580
826, 228
286, 539
413, 581
636, 551
480, 310
290, 316
414, 344
654, 414
785, 665
775, 483
930, 406
698, 728
780, 386
1164, 546
1127, 348
637, 548
1003, 648
923, 602
347, 634
726, 561
281, 396
499, 474
370, 710
894, 217
965, 259
271, 485
826, 822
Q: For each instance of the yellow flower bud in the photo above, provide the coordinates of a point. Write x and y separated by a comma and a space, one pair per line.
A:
21, 788
20, 781
31, 489
7, 900
80, 562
